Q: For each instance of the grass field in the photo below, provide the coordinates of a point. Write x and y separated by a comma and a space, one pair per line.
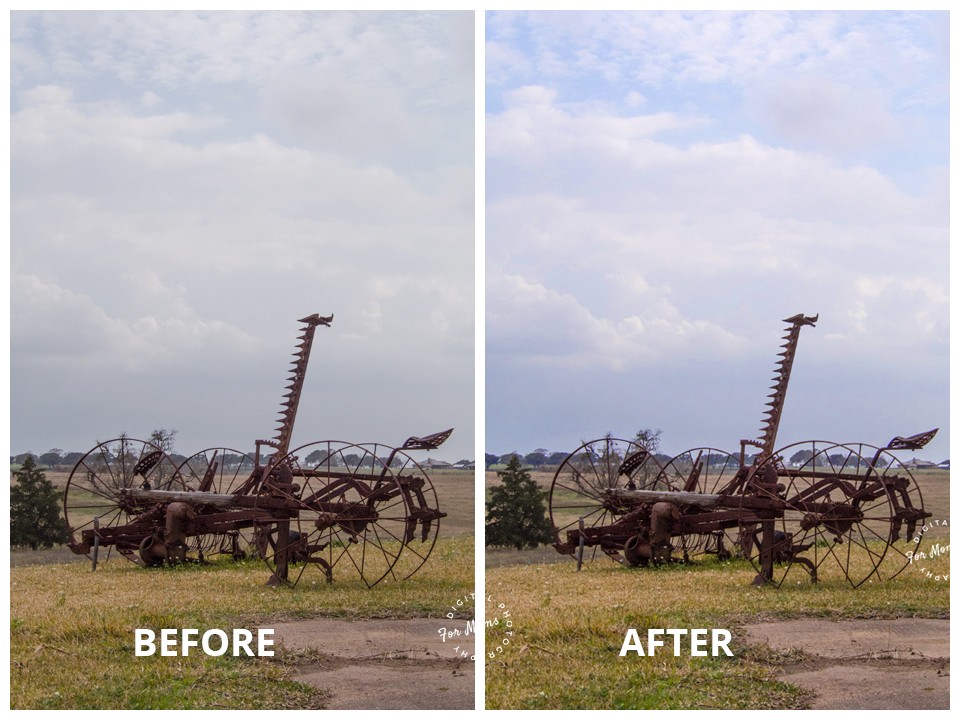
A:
72, 630
568, 627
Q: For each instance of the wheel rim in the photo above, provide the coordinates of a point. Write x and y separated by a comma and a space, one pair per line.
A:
580, 489
717, 469
423, 510
232, 469
850, 515
352, 517
93, 489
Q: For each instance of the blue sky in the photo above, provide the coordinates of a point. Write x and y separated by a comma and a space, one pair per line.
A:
663, 188
186, 185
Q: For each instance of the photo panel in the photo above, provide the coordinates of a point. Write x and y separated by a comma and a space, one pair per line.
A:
242, 360
686, 213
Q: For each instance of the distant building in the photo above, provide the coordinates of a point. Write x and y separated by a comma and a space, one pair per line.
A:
917, 464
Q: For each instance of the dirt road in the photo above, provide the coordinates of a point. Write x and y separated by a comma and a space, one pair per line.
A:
386, 664
865, 664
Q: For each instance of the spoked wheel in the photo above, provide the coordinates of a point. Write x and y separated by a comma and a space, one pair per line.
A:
584, 487
355, 517
849, 512
221, 471
93, 490
423, 521
705, 470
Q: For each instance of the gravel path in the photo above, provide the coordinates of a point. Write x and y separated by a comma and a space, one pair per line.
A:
386, 664
866, 664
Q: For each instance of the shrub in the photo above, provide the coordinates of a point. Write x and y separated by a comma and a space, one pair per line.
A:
516, 515
35, 517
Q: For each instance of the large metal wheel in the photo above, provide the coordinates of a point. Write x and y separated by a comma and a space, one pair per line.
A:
582, 488
363, 512
221, 471
93, 489
849, 513
423, 522
708, 471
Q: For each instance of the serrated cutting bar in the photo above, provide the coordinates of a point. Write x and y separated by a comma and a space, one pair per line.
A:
768, 433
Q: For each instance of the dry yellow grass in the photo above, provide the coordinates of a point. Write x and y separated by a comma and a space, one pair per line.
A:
72, 630
570, 627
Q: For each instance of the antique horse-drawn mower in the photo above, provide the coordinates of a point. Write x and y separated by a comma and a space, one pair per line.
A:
366, 510
831, 509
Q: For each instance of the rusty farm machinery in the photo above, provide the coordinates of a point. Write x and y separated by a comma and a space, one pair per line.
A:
364, 510
834, 510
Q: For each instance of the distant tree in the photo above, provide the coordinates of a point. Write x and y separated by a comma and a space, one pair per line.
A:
163, 439
505, 459
35, 519
231, 460
516, 515
838, 460
800, 457
556, 458
22, 458
317, 457
490, 460
52, 458
535, 459
72, 458
649, 439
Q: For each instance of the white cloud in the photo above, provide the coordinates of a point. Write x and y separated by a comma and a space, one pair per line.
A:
613, 219
821, 114
535, 324
178, 177
51, 325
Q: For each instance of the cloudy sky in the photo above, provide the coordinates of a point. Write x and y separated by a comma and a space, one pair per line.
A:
185, 186
664, 188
